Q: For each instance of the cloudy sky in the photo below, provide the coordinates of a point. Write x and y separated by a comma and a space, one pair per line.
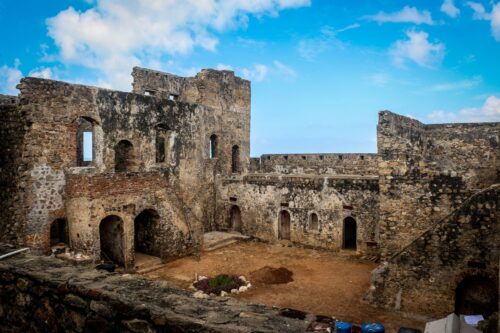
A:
320, 69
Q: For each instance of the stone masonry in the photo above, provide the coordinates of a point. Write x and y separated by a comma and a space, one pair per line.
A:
171, 160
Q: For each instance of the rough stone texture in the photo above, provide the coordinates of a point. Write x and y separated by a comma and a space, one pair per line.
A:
422, 278
39, 294
427, 171
261, 198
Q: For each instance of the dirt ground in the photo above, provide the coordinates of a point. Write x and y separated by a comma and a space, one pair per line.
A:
323, 283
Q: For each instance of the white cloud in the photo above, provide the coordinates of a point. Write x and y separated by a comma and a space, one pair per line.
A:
480, 13
223, 67
379, 79
448, 7
459, 85
406, 15
418, 49
9, 78
489, 111
41, 72
257, 72
115, 35
479, 10
310, 48
284, 69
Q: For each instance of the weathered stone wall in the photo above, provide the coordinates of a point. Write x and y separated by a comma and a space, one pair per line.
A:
261, 198
12, 129
427, 171
422, 278
329, 164
40, 294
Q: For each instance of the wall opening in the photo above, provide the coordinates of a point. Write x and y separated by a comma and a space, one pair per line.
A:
284, 225
476, 295
213, 146
313, 222
111, 239
349, 233
59, 232
85, 141
235, 159
235, 217
163, 138
146, 237
124, 156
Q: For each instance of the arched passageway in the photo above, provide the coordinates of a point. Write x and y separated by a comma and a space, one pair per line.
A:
349, 238
284, 225
124, 156
59, 232
111, 239
146, 238
476, 295
235, 217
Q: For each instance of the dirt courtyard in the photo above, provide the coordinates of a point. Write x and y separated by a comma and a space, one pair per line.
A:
323, 283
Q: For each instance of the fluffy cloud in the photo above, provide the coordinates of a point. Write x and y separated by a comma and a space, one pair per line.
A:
406, 15
311, 47
480, 13
417, 48
489, 111
9, 78
115, 35
256, 73
448, 7
42, 72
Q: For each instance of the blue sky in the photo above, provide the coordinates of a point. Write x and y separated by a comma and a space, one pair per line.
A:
320, 69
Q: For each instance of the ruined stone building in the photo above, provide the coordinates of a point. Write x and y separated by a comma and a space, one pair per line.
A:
171, 160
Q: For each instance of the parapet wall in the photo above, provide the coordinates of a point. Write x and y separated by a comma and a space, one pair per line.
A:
41, 294
319, 164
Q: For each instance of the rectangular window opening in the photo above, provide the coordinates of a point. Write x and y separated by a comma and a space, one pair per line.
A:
173, 97
87, 147
149, 92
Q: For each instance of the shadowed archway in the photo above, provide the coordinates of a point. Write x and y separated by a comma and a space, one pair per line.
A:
111, 239
349, 238
284, 225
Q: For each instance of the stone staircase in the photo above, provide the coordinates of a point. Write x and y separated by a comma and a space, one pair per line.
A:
216, 239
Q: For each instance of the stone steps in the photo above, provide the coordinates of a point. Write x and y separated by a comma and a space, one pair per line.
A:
215, 240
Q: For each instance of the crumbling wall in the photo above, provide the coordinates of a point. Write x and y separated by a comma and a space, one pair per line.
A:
422, 278
261, 198
40, 294
12, 129
328, 164
427, 171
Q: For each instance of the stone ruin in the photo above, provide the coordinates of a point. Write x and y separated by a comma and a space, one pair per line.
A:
113, 173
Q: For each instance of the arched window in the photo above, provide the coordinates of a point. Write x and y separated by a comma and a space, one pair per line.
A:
163, 144
313, 222
124, 156
213, 146
235, 159
85, 141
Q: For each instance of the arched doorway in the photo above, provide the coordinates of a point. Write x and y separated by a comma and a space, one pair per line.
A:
235, 217
58, 232
111, 239
349, 233
124, 156
146, 237
476, 295
284, 225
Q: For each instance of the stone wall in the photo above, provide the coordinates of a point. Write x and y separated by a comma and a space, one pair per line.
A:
12, 129
422, 278
329, 164
427, 171
41, 294
261, 197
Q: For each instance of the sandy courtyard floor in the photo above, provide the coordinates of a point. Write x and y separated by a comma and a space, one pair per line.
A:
323, 283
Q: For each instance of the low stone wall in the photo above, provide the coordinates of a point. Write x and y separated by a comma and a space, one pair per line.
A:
42, 294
